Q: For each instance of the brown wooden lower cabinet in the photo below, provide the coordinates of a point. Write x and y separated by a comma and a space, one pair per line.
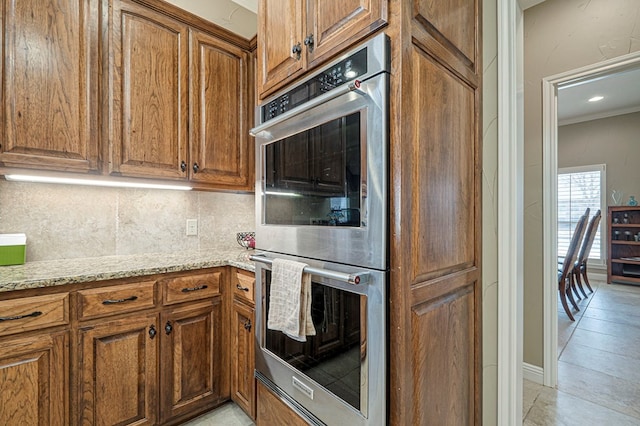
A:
34, 380
191, 361
118, 365
243, 382
272, 411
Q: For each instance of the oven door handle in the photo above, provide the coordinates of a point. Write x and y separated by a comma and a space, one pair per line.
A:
353, 86
355, 279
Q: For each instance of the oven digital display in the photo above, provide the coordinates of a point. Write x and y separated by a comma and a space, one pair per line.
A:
341, 73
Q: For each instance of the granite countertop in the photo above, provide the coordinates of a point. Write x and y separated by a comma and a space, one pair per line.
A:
70, 271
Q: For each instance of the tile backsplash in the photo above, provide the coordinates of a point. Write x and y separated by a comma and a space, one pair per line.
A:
68, 221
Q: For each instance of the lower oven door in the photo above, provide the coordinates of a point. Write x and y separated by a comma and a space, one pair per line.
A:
339, 375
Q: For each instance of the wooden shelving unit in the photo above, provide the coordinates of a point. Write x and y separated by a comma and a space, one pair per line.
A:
623, 264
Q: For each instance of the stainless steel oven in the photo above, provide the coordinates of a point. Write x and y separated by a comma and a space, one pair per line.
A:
321, 163
322, 199
338, 376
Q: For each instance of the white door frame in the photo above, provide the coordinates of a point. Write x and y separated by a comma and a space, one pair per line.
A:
550, 188
510, 211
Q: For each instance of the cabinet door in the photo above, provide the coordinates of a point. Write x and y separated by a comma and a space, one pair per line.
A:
192, 366
150, 84
337, 24
118, 372
243, 384
34, 382
49, 68
280, 29
219, 139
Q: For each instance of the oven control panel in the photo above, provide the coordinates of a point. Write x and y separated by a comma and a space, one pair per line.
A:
328, 79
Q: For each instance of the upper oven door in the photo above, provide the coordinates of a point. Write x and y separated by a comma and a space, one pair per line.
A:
321, 178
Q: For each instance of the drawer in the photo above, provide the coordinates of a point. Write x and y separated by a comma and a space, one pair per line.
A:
243, 283
191, 287
117, 299
32, 313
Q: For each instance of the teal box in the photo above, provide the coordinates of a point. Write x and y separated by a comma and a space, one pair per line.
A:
13, 249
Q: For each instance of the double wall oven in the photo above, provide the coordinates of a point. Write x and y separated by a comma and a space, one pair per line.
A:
322, 199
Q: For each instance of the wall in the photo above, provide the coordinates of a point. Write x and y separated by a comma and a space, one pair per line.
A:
612, 141
65, 221
489, 213
559, 36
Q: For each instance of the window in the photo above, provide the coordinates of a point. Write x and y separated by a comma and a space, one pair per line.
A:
580, 188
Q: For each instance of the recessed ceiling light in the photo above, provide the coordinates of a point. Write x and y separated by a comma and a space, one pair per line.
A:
596, 98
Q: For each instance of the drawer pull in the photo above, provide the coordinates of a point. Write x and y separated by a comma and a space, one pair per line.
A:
17, 317
239, 287
188, 289
114, 301
152, 331
247, 325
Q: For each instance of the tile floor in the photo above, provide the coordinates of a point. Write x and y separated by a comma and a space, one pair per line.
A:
228, 414
599, 364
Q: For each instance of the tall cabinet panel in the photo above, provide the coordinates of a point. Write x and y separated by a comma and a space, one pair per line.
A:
220, 101
435, 324
48, 109
150, 92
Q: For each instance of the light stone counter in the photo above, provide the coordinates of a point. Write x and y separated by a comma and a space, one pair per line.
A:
70, 271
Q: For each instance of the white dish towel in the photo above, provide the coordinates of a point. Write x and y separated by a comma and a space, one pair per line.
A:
290, 300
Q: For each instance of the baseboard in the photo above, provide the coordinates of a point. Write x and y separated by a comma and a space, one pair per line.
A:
533, 373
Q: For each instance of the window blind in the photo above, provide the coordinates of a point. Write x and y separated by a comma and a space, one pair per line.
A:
578, 191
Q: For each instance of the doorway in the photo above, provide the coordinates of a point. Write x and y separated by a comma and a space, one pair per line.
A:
550, 86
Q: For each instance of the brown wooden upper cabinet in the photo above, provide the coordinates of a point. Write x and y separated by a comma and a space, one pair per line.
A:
297, 35
180, 101
48, 107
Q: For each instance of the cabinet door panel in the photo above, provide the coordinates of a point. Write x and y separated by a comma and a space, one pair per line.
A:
337, 24
219, 134
243, 384
150, 93
279, 29
34, 382
192, 364
49, 85
118, 371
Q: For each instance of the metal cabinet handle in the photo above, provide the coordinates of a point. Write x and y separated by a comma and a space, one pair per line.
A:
188, 289
183, 166
297, 50
114, 301
168, 328
308, 41
17, 317
239, 287
152, 331
195, 167
247, 325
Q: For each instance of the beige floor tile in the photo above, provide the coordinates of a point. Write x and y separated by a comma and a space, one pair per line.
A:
614, 315
616, 365
553, 407
226, 415
609, 327
530, 392
626, 346
602, 389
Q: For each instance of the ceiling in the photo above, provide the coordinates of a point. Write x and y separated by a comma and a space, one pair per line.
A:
238, 16
621, 92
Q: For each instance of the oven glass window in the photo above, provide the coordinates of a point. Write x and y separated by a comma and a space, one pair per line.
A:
315, 177
333, 356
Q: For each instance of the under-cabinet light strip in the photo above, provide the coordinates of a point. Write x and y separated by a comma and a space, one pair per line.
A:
96, 182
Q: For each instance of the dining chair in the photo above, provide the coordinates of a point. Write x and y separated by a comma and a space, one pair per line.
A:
565, 275
580, 267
